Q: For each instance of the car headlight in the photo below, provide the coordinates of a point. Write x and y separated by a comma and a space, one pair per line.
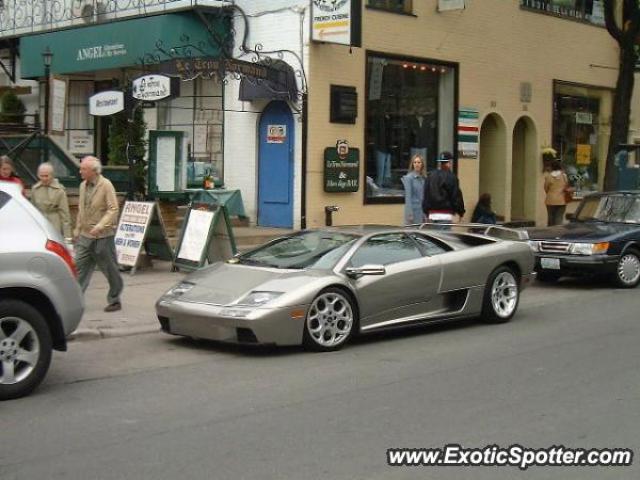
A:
589, 248
180, 289
258, 298
535, 245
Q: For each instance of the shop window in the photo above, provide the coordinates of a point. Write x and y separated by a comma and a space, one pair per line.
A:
591, 11
579, 114
400, 6
410, 108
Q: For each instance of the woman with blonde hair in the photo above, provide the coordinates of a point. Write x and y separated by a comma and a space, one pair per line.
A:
556, 184
8, 172
413, 183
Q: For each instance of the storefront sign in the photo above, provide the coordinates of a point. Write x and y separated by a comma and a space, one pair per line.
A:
276, 133
106, 103
583, 154
81, 142
444, 5
468, 133
341, 168
131, 231
58, 105
212, 66
151, 88
336, 21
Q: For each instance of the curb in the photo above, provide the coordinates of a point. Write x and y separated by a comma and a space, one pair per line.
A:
85, 334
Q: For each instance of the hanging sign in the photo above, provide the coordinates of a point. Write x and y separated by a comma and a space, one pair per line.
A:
151, 88
468, 133
341, 168
106, 103
336, 21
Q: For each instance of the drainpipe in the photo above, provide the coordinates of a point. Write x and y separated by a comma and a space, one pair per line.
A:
303, 179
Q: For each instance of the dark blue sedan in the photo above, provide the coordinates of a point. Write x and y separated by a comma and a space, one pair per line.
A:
602, 238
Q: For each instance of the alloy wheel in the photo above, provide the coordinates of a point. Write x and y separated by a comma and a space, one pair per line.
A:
19, 350
504, 294
330, 319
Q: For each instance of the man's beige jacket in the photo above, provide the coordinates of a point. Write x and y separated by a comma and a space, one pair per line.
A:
101, 212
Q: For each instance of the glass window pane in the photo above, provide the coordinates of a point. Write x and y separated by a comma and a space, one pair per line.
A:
428, 246
386, 249
404, 6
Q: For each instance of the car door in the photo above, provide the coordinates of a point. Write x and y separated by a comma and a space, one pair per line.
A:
410, 282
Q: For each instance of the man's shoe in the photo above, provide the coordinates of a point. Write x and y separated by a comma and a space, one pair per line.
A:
113, 307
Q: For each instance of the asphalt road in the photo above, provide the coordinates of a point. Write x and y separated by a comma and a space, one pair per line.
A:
565, 371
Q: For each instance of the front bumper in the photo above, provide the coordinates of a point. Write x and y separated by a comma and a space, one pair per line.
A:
275, 326
578, 264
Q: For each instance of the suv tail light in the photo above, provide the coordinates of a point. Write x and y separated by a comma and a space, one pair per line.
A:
63, 253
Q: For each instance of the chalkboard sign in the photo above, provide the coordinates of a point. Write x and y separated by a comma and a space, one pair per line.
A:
206, 237
341, 174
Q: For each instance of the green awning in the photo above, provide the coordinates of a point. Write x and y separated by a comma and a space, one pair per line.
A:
121, 44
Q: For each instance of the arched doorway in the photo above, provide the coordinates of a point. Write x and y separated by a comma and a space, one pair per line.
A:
523, 171
493, 162
275, 167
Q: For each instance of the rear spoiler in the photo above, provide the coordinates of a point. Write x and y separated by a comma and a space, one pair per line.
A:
495, 231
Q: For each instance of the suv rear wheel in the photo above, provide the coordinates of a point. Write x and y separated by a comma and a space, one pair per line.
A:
25, 348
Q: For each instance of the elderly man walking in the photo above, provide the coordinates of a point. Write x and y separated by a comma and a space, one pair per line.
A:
95, 230
50, 197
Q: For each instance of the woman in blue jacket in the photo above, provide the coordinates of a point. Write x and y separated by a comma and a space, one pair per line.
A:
413, 183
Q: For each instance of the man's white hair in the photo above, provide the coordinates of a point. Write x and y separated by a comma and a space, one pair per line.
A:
95, 163
45, 166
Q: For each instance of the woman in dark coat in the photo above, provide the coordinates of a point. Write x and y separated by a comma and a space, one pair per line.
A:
483, 212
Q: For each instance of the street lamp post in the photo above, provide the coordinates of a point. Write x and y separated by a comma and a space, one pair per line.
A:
47, 56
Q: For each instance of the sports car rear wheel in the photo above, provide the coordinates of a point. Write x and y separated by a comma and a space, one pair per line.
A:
501, 296
628, 269
330, 321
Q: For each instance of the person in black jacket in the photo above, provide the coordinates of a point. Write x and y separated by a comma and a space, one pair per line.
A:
442, 197
483, 213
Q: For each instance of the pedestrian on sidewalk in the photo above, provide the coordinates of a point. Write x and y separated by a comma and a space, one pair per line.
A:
50, 197
555, 185
8, 172
413, 183
442, 197
95, 230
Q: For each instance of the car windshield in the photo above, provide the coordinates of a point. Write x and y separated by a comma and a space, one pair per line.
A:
610, 208
318, 250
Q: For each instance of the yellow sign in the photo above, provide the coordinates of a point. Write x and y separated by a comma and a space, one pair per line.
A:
583, 154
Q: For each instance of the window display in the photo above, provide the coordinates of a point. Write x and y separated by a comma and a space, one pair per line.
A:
410, 110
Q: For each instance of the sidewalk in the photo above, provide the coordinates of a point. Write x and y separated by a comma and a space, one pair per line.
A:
141, 291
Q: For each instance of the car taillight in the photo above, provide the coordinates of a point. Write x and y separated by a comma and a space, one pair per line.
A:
63, 253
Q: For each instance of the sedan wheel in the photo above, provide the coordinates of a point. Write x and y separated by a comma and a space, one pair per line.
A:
501, 296
330, 321
628, 270
25, 349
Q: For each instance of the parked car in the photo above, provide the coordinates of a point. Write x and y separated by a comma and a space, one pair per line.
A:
40, 299
319, 288
603, 237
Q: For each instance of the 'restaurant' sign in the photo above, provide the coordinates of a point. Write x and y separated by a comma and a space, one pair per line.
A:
336, 21
151, 88
106, 103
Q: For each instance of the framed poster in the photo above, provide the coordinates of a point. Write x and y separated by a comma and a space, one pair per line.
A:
165, 161
57, 105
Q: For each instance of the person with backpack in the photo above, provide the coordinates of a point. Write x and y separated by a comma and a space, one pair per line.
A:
442, 197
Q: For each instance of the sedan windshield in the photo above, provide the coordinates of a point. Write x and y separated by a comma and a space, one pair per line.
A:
317, 250
610, 208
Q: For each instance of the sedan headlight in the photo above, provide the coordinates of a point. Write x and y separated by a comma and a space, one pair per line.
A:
258, 298
535, 245
180, 289
589, 248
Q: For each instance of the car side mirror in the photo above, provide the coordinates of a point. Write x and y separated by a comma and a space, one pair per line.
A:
355, 272
570, 216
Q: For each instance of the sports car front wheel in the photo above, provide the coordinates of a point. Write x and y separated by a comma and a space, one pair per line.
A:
330, 321
501, 296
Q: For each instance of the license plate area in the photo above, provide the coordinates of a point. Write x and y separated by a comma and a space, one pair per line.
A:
550, 263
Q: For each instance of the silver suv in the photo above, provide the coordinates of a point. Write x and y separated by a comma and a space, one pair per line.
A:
40, 299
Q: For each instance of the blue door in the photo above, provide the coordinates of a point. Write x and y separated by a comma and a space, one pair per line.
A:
275, 167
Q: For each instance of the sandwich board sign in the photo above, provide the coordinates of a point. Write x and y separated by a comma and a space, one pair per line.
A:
206, 237
141, 226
